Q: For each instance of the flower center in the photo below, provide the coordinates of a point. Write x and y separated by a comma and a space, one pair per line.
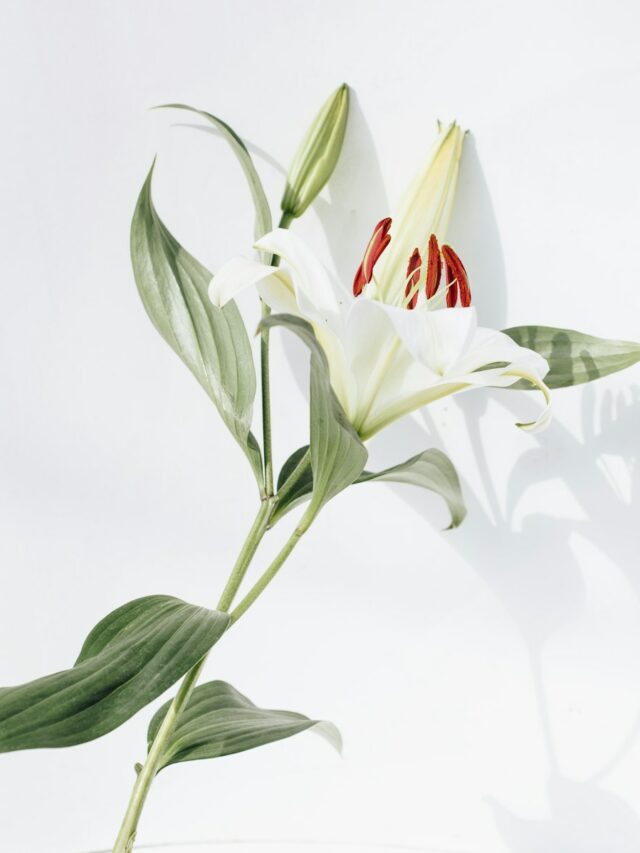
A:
456, 278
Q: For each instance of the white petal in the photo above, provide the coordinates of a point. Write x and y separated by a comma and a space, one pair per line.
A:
450, 354
492, 347
544, 418
235, 276
372, 349
438, 339
277, 292
238, 274
318, 296
424, 210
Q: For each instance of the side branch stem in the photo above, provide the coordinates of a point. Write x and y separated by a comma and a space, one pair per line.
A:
269, 574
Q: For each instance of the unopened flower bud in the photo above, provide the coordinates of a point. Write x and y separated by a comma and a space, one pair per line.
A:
317, 156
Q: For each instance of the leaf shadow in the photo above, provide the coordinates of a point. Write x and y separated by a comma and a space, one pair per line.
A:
531, 568
535, 574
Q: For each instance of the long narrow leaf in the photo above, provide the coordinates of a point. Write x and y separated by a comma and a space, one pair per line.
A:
132, 656
574, 357
211, 341
263, 223
337, 455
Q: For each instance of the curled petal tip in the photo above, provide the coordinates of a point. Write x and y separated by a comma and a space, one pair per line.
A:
544, 419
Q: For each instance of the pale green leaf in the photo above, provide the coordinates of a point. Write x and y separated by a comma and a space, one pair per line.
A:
573, 357
132, 656
211, 341
431, 470
337, 455
263, 222
218, 720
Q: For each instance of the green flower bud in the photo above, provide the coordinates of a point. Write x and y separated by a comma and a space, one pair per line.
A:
317, 156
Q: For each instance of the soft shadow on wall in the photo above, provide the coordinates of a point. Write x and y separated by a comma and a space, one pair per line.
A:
533, 571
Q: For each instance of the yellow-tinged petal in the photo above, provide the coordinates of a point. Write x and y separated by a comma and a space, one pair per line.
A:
424, 210
542, 421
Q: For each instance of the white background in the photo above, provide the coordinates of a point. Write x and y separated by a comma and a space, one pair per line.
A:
486, 680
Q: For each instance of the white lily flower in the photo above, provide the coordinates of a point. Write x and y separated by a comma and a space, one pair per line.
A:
398, 341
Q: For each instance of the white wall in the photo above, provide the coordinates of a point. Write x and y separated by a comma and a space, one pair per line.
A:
486, 680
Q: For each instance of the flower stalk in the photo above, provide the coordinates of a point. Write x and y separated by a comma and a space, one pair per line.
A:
126, 835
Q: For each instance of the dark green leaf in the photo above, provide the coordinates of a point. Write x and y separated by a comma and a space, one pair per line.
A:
211, 341
337, 454
300, 489
132, 656
574, 358
220, 721
263, 215
431, 470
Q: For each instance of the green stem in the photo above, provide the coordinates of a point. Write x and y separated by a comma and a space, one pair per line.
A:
285, 220
266, 405
245, 556
126, 836
265, 579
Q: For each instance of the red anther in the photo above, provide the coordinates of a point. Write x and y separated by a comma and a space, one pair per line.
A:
379, 241
457, 279
434, 267
413, 278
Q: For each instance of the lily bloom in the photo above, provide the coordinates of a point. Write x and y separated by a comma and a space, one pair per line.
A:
406, 333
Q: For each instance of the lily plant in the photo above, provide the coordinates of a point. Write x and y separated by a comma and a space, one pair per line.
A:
400, 334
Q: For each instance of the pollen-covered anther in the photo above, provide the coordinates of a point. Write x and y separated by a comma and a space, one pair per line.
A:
379, 241
457, 279
434, 267
413, 279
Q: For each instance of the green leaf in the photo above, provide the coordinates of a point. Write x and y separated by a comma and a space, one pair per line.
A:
263, 222
218, 720
211, 341
431, 470
302, 487
337, 455
132, 656
573, 357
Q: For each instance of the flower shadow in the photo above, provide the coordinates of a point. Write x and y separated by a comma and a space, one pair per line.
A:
583, 818
530, 566
534, 572
474, 233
